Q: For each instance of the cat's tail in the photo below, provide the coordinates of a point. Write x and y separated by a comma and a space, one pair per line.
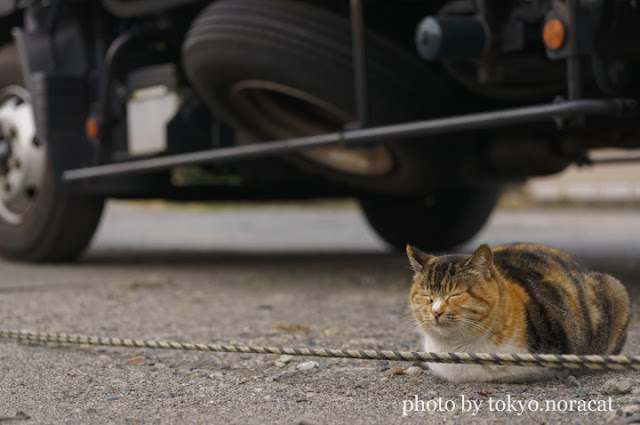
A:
614, 312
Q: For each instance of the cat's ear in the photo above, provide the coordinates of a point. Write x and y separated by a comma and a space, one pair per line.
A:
481, 260
417, 258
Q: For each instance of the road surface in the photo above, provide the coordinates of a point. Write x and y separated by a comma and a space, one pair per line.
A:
274, 275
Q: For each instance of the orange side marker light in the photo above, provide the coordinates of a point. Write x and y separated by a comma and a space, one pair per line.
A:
554, 34
91, 127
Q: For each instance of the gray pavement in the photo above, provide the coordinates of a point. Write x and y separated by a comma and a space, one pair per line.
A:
273, 275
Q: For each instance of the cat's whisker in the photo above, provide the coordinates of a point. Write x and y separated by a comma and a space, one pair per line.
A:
409, 333
474, 324
409, 328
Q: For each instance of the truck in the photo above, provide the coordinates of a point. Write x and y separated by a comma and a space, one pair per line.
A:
421, 110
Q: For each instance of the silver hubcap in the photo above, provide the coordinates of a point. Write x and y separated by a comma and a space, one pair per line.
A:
283, 112
22, 162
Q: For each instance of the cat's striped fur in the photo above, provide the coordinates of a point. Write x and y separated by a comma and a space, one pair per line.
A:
520, 298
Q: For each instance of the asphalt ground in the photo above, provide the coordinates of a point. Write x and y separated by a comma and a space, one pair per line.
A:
285, 276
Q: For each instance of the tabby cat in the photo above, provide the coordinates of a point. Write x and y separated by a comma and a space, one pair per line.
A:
519, 298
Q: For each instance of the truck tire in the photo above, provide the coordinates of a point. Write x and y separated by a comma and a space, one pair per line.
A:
38, 223
282, 69
439, 221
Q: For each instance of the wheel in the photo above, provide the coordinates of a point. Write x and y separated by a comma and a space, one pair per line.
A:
37, 222
439, 221
282, 69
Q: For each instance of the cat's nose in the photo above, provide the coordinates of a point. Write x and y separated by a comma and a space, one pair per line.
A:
437, 309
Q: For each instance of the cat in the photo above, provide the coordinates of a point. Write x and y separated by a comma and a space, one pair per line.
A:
518, 298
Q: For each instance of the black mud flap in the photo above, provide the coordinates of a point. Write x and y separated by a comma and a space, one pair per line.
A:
61, 105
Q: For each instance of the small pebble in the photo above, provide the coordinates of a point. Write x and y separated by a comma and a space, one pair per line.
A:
218, 366
395, 371
571, 381
139, 360
363, 383
308, 365
633, 419
431, 394
280, 364
305, 422
582, 392
150, 281
414, 370
616, 386
285, 358
112, 398
520, 390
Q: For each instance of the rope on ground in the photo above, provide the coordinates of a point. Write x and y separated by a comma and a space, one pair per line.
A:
554, 361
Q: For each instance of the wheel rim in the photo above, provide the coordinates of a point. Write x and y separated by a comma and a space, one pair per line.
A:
283, 112
22, 161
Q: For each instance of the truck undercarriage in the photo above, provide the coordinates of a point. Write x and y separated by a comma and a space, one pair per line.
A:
421, 110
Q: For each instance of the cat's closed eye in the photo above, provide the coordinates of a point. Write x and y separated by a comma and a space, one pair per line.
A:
453, 296
428, 299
